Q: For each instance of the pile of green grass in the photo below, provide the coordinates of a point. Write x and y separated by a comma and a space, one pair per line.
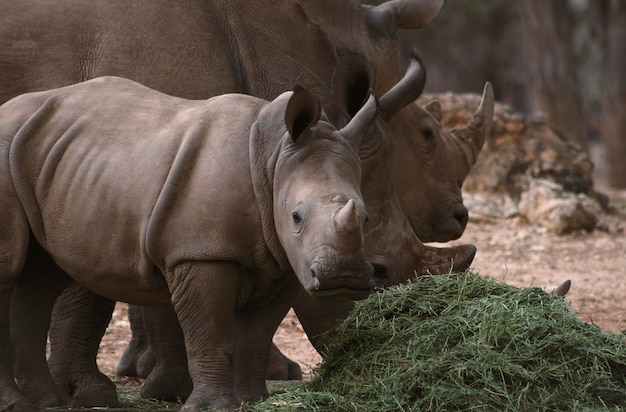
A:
463, 342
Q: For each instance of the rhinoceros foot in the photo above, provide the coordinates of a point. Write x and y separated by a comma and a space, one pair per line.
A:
94, 390
14, 401
137, 360
169, 383
281, 368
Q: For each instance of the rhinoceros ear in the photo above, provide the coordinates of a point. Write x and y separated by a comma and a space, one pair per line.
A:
392, 15
352, 81
434, 108
303, 111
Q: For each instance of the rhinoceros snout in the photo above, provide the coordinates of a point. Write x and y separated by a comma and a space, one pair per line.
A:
461, 215
451, 224
346, 284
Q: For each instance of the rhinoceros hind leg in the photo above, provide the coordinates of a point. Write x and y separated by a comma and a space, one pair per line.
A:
79, 320
31, 306
138, 358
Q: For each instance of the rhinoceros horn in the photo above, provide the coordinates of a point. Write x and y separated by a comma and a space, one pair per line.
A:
406, 91
355, 130
472, 137
347, 219
403, 14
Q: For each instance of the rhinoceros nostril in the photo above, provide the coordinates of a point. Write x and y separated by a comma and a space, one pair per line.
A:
461, 214
316, 281
380, 271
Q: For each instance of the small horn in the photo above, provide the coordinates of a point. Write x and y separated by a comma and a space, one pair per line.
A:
355, 130
483, 118
562, 289
347, 218
473, 136
406, 91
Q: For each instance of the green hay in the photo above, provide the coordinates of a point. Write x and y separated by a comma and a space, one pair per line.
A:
463, 342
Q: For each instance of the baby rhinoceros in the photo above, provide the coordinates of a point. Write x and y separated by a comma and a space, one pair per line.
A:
214, 204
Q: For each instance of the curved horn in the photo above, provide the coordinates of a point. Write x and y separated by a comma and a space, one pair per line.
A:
403, 14
483, 118
406, 91
347, 219
355, 130
479, 127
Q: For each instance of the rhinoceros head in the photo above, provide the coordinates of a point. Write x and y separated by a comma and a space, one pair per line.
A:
391, 244
430, 165
318, 209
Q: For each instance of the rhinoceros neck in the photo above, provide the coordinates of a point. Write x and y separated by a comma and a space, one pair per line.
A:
263, 158
264, 60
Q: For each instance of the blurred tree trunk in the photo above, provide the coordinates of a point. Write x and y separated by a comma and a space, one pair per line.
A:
552, 78
609, 29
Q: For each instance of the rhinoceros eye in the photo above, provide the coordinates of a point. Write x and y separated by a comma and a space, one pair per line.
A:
296, 217
428, 134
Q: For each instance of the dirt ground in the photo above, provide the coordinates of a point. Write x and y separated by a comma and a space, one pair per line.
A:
509, 250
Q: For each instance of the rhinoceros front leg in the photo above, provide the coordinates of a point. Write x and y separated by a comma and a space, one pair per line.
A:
204, 295
169, 379
255, 328
79, 320
138, 358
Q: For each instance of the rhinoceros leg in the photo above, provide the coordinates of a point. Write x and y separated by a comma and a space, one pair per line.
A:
31, 306
204, 295
164, 345
253, 335
169, 379
138, 358
14, 238
281, 368
79, 320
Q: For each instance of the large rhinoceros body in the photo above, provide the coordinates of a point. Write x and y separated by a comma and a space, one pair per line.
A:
139, 195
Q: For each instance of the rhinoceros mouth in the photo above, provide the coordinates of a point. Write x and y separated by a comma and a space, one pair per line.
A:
341, 294
455, 259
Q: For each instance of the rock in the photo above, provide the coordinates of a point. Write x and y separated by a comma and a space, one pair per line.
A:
546, 203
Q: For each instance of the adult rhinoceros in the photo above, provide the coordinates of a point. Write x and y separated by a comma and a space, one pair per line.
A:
139, 196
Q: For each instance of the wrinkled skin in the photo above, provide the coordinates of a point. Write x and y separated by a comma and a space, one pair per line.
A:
229, 264
75, 41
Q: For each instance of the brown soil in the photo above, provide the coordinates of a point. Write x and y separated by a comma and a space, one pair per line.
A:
509, 250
